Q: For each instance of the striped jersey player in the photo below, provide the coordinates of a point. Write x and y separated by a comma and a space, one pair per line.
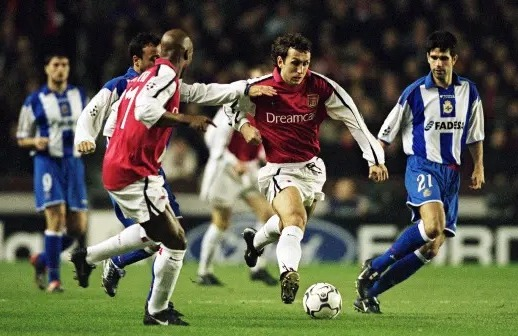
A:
439, 115
46, 126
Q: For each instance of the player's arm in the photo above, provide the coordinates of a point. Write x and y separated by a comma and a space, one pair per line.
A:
26, 131
239, 121
217, 138
475, 139
392, 123
150, 102
218, 94
340, 106
90, 121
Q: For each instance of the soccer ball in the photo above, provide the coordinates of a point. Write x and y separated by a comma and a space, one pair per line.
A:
322, 301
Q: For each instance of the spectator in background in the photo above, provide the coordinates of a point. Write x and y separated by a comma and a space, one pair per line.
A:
346, 200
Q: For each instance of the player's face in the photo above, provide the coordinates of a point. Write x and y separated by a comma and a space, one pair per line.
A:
57, 69
149, 55
295, 66
441, 65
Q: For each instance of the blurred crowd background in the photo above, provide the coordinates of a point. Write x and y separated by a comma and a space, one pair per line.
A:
374, 49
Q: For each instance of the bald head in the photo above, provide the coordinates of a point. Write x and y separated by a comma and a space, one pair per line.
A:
177, 47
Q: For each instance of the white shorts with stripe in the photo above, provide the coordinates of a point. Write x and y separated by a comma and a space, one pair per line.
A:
221, 186
308, 177
142, 198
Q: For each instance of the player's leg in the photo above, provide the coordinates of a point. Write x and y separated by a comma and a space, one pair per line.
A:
55, 222
288, 205
263, 211
210, 243
425, 200
166, 267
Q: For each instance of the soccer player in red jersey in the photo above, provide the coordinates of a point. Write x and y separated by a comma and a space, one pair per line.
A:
147, 111
287, 125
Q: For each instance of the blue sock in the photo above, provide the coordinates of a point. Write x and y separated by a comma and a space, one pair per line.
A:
132, 257
53, 248
409, 241
399, 272
66, 242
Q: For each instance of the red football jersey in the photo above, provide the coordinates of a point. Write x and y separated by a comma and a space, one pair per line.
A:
136, 147
289, 122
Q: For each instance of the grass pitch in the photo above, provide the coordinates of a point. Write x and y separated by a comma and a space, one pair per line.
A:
469, 300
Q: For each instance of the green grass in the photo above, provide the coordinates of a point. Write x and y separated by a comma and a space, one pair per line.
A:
469, 300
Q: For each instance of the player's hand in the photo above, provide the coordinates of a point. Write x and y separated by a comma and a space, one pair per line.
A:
251, 134
199, 123
477, 178
86, 147
41, 143
261, 90
378, 173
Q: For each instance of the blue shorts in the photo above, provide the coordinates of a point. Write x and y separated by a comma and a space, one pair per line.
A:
59, 180
172, 201
427, 181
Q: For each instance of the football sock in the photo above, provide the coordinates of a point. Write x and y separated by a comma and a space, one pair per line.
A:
268, 233
399, 272
289, 250
129, 239
53, 248
410, 240
166, 269
261, 261
66, 242
132, 257
210, 242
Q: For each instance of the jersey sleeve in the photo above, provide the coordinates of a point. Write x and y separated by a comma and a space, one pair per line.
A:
109, 126
26, 121
237, 110
340, 106
211, 94
393, 121
476, 121
150, 101
217, 138
92, 118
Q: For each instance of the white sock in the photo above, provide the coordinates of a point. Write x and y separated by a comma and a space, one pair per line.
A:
127, 240
210, 242
261, 261
289, 251
166, 270
268, 233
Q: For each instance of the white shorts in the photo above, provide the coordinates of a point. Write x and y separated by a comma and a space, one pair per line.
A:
222, 187
141, 198
308, 177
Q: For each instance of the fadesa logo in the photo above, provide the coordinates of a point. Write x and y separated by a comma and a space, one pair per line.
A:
323, 241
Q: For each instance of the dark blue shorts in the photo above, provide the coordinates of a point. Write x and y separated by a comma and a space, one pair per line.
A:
59, 180
427, 181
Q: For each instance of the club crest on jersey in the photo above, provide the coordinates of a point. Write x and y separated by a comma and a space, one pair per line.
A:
427, 192
447, 107
313, 100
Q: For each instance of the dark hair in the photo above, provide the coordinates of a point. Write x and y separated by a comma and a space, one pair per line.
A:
444, 40
140, 41
282, 43
51, 55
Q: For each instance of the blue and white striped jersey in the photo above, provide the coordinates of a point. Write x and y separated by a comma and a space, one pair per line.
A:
46, 113
97, 111
436, 123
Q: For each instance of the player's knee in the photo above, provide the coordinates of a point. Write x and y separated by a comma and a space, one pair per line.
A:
434, 226
294, 220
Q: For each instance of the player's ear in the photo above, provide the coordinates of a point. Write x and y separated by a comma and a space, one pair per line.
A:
186, 54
